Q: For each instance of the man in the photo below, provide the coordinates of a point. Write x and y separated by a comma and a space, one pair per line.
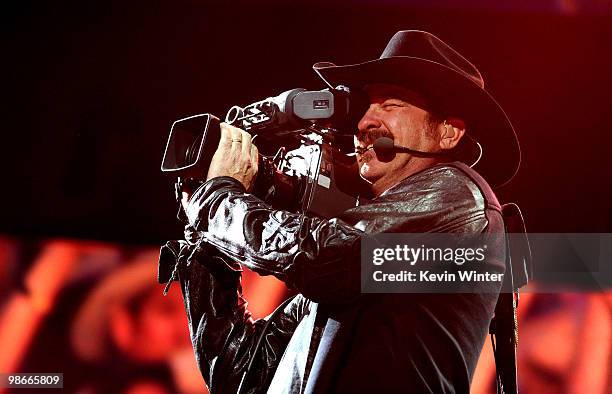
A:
330, 338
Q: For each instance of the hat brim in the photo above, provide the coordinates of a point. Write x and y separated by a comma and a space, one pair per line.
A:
452, 93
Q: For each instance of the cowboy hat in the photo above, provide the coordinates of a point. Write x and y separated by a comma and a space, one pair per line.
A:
422, 62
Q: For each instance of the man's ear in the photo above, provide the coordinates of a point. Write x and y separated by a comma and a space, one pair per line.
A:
452, 131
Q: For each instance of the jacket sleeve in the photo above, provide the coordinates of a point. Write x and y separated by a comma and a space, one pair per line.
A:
319, 257
223, 334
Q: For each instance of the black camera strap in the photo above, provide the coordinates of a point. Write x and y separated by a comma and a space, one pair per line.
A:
504, 325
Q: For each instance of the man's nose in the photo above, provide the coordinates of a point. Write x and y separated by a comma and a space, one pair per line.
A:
369, 121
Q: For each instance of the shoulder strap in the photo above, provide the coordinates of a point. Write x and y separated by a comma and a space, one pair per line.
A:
504, 325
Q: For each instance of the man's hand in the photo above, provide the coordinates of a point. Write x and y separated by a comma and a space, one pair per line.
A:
236, 157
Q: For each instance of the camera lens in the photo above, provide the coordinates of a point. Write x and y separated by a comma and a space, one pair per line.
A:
192, 152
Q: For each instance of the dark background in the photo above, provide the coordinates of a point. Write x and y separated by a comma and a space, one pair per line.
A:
91, 89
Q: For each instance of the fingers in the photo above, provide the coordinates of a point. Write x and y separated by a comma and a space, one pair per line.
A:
246, 144
234, 134
226, 134
236, 156
236, 137
241, 144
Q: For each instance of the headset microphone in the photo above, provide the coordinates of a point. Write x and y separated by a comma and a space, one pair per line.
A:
385, 150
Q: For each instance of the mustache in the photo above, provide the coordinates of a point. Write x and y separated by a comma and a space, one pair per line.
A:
368, 137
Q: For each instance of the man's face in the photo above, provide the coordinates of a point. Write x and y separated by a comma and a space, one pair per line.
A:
397, 113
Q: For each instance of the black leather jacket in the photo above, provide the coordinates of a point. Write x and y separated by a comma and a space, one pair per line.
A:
331, 338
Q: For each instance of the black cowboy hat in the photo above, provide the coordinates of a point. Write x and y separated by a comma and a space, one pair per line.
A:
422, 62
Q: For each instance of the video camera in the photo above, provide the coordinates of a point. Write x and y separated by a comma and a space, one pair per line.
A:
304, 138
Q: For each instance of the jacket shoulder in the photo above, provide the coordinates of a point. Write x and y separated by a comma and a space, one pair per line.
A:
448, 183
474, 179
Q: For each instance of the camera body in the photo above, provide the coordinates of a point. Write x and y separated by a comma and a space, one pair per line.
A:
303, 137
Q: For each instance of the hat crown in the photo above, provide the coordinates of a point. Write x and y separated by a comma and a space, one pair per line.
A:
422, 62
424, 45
